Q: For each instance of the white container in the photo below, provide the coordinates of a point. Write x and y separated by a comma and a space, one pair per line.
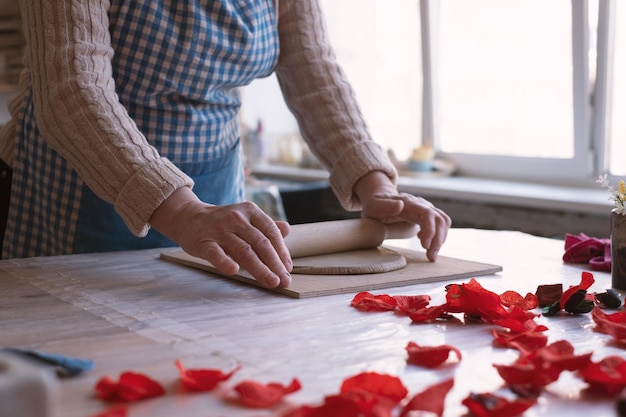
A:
25, 389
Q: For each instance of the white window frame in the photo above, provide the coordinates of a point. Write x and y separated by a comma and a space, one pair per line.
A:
582, 169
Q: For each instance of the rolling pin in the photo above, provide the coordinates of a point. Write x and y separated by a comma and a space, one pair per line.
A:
311, 239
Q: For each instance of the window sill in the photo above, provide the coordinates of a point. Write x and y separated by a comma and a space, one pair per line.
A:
594, 201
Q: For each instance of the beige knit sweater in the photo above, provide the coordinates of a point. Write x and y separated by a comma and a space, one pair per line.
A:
77, 111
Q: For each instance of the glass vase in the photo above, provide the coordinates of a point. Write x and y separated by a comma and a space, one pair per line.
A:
618, 251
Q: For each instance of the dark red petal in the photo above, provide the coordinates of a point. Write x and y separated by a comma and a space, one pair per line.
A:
366, 301
432, 399
429, 356
386, 386
527, 374
490, 405
548, 294
199, 380
257, 395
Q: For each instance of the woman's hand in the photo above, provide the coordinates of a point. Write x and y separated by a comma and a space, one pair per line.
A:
381, 200
230, 237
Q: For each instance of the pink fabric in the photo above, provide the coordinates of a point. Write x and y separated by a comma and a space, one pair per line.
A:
584, 249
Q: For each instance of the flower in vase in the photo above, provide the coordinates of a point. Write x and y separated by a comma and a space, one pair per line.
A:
618, 196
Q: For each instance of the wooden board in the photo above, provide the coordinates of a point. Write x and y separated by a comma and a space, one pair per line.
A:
418, 270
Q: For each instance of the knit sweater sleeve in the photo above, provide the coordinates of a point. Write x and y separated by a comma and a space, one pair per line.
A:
320, 97
78, 112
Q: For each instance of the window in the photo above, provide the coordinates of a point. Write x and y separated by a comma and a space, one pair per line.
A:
613, 62
513, 89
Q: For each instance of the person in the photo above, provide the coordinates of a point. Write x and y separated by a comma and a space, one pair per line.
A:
124, 131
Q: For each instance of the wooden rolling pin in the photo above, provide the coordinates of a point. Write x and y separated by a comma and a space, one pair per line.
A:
335, 236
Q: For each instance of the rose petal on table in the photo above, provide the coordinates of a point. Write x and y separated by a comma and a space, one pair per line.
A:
130, 387
432, 399
254, 394
430, 356
429, 314
366, 301
612, 324
548, 294
527, 341
586, 280
544, 365
408, 304
382, 385
199, 380
474, 300
491, 405
520, 321
607, 376
609, 299
513, 298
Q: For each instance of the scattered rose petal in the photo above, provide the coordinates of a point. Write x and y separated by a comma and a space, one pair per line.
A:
408, 304
366, 301
513, 298
202, 379
430, 356
130, 387
429, 314
548, 294
609, 299
491, 405
586, 280
432, 399
474, 300
543, 366
257, 395
608, 376
386, 386
519, 320
611, 324
527, 341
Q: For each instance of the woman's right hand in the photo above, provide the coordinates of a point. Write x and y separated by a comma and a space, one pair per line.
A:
229, 237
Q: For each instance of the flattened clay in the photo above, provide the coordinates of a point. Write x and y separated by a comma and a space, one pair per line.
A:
366, 261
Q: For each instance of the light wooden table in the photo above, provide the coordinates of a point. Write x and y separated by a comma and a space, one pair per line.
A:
132, 311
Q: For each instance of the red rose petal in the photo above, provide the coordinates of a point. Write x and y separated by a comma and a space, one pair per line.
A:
608, 376
472, 299
131, 387
611, 324
527, 341
491, 405
366, 301
432, 399
199, 380
430, 356
386, 386
513, 298
586, 280
428, 314
257, 395
410, 303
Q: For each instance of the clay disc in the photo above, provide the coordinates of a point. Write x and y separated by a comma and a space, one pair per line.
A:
367, 261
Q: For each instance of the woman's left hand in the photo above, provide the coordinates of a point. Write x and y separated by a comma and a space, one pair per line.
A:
381, 200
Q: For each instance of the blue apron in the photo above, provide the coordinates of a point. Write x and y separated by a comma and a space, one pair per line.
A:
177, 67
